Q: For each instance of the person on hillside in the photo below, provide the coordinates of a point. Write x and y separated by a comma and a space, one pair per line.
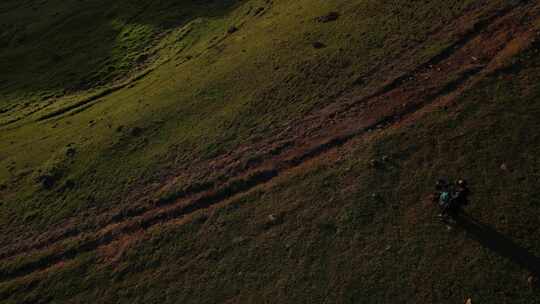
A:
451, 197
462, 193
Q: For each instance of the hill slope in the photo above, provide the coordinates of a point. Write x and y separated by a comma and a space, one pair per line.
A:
223, 151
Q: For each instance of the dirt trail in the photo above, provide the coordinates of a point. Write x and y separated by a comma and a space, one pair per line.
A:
479, 50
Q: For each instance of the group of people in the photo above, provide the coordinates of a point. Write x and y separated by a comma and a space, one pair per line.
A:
451, 197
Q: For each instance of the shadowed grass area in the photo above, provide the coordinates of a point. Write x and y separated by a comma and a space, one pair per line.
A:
49, 48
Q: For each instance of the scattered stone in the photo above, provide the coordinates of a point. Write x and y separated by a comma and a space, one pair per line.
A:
504, 167
91, 200
136, 131
272, 220
469, 301
332, 16
232, 29
318, 45
70, 152
47, 181
532, 281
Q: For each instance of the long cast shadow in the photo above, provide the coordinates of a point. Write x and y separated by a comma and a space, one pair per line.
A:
490, 238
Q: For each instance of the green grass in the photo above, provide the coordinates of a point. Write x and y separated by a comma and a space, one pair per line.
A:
347, 232
243, 88
338, 243
335, 241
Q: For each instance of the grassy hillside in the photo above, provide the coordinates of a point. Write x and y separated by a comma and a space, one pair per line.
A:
267, 151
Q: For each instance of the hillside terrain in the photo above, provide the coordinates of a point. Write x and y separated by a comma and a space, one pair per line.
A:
268, 151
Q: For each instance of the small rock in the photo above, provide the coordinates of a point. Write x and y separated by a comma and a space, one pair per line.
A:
70, 152
136, 131
47, 181
385, 158
469, 301
332, 16
272, 220
318, 45
532, 281
504, 167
